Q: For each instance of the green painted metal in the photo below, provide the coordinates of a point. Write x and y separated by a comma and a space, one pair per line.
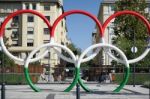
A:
123, 83
75, 80
83, 85
27, 76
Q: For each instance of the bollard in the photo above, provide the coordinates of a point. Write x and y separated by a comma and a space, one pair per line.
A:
149, 90
3, 91
77, 91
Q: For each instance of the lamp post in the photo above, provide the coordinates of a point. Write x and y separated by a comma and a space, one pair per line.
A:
49, 74
134, 50
2, 71
77, 85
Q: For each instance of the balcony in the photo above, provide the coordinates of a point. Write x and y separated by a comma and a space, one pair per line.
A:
6, 11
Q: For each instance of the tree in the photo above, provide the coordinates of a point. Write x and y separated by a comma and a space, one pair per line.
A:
7, 61
76, 51
4, 58
127, 26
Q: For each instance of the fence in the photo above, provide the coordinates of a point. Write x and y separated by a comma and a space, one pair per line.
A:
14, 75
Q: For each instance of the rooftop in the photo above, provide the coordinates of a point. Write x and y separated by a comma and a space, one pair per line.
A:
58, 1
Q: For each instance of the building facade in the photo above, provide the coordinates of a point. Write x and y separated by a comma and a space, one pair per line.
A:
107, 9
27, 31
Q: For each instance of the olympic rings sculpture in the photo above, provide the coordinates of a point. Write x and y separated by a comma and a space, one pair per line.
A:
74, 59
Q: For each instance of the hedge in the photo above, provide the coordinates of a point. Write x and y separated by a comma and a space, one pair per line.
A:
140, 78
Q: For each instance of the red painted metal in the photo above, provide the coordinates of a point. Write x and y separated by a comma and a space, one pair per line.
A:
77, 12
126, 12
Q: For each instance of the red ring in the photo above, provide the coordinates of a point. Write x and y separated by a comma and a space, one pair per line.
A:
77, 12
20, 12
127, 12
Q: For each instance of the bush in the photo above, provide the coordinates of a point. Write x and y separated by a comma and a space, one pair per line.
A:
146, 84
140, 78
17, 78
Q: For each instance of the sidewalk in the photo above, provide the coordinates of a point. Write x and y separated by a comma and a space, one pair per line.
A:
137, 89
55, 91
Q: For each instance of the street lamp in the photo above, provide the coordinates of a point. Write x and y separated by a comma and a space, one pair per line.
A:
49, 73
134, 50
3, 83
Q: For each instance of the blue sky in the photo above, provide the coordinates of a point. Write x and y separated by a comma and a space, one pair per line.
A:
80, 27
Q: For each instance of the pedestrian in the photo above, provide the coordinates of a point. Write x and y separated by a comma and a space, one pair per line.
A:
59, 78
101, 78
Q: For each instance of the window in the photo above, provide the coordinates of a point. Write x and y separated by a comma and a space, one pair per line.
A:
61, 33
14, 34
34, 6
15, 43
30, 30
27, 6
46, 41
34, 55
111, 31
46, 7
47, 56
15, 54
112, 7
149, 7
46, 31
30, 19
48, 18
1, 20
30, 42
15, 19
62, 23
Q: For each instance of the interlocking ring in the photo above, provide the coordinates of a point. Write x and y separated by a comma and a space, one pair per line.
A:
83, 13
142, 18
2, 31
76, 60
127, 71
49, 45
64, 57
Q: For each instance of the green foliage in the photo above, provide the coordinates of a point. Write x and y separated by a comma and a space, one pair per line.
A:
146, 84
18, 78
7, 61
4, 58
128, 27
140, 79
76, 51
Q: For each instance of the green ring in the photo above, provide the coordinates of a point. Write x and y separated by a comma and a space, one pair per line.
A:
83, 85
29, 81
122, 84
125, 80
75, 80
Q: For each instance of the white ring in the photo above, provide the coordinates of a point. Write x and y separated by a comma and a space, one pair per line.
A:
48, 45
131, 61
103, 45
16, 58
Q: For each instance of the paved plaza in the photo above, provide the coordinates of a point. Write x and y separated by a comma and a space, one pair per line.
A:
55, 91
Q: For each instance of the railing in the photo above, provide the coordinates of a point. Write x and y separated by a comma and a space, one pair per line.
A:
15, 75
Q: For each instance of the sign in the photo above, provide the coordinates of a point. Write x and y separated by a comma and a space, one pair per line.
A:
134, 49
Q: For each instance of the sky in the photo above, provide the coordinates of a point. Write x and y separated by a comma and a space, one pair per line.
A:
80, 27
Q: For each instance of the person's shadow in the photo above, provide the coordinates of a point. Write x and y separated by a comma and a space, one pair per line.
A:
50, 96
